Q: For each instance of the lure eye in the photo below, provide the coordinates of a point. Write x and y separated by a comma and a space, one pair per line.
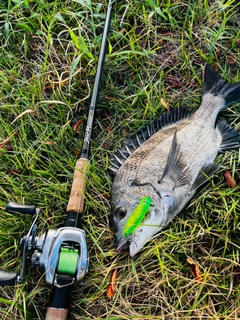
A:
121, 212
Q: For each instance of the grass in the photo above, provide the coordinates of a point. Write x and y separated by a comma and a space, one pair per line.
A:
157, 49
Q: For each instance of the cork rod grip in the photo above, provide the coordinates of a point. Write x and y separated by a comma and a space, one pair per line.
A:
56, 314
76, 199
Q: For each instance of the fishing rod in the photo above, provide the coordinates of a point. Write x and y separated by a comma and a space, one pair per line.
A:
61, 254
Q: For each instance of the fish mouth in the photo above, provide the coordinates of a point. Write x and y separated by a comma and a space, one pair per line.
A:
126, 245
122, 245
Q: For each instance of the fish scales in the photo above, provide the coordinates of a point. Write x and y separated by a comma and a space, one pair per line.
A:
169, 160
148, 153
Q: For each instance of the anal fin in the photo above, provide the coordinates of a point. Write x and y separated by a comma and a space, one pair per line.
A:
206, 172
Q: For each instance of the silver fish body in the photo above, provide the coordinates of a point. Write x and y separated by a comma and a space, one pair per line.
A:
169, 160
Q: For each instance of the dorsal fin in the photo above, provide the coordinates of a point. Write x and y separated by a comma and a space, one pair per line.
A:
167, 118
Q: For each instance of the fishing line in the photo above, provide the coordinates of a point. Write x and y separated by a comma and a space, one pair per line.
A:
67, 262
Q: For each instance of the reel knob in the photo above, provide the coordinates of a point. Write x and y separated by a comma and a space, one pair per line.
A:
8, 278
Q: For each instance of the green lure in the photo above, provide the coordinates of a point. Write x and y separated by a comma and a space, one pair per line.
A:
137, 216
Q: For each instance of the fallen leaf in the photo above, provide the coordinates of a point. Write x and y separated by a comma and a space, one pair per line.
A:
111, 287
229, 179
77, 124
231, 60
164, 103
195, 270
48, 88
109, 130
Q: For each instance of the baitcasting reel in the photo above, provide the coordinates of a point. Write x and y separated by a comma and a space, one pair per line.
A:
61, 254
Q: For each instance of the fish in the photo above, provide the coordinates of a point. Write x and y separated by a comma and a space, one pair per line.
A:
167, 162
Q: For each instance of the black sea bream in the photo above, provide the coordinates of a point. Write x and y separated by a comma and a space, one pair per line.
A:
169, 160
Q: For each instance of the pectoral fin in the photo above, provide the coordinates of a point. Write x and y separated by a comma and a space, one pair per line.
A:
175, 168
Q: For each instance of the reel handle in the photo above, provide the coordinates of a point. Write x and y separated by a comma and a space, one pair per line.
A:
10, 278
13, 207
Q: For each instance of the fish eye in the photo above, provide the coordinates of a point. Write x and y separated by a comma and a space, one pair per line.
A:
121, 212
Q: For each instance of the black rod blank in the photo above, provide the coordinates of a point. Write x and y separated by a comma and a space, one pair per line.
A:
101, 58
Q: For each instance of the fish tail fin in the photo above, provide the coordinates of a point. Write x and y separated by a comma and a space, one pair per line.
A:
216, 86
